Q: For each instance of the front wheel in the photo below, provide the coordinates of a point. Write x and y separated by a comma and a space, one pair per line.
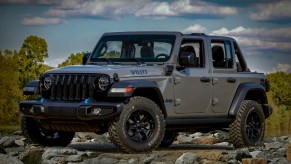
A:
248, 128
168, 139
37, 134
139, 128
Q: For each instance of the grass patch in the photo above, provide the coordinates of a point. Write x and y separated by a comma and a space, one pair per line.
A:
8, 129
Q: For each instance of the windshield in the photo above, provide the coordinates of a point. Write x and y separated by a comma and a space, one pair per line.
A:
134, 48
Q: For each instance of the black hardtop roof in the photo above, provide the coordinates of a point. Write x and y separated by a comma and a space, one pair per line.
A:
177, 33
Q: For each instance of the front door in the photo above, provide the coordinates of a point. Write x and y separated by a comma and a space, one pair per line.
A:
193, 84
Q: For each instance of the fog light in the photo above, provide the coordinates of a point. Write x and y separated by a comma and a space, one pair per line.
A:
96, 111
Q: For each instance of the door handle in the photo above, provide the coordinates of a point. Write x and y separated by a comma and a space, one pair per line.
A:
231, 80
205, 79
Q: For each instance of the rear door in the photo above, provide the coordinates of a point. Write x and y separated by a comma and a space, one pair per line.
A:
224, 75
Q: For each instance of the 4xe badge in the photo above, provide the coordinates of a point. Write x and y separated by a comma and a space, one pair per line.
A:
139, 72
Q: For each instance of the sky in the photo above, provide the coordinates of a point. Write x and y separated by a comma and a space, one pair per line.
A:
262, 28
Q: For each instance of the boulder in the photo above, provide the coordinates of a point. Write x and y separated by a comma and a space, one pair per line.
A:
19, 142
57, 152
149, 159
183, 139
8, 159
74, 158
101, 159
258, 154
273, 145
254, 161
239, 154
187, 158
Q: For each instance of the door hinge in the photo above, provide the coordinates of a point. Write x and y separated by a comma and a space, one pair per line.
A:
177, 80
214, 101
177, 102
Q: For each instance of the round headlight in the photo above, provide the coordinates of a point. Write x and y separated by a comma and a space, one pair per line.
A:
103, 83
47, 82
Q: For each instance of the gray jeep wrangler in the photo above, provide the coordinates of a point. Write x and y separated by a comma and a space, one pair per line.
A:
144, 87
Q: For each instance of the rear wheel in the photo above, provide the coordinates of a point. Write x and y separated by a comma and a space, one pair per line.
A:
168, 139
249, 126
139, 128
37, 134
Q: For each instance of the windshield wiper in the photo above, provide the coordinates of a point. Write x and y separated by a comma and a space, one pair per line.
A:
136, 60
108, 60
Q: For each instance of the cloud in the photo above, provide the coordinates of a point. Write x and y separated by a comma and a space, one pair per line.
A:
196, 28
138, 8
252, 39
278, 10
40, 21
282, 68
263, 38
41, 2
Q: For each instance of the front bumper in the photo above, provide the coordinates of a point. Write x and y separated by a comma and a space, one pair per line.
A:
86, 110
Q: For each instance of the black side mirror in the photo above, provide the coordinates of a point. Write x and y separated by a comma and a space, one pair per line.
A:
85, 58
187, 59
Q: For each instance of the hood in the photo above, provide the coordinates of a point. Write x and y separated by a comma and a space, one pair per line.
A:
123, 71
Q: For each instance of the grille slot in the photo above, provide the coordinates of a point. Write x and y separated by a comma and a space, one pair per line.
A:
72, 87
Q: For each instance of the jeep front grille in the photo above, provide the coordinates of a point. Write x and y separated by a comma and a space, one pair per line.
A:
72, 87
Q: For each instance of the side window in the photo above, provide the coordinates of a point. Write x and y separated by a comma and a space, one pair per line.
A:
195, 46
221, 54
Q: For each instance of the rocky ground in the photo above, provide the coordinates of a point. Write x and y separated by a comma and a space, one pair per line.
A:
87, 148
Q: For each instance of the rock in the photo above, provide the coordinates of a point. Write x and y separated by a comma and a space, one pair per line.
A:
56, 152
18, 133
284, 138
281, 160
32, 155
132, 161
288, 152
273, 145
223, 144
76, 139
100, 139
4, 139
74, 158
232, 161
239, 154
149, 159
221, 136
10, 142
7, 159
258, 154
208, 140
184, 139
2, 150
100, 159
196, 135
254, 161
19, 142
187, 158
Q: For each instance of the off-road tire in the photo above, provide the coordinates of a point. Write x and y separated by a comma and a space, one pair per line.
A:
119, 128
32, 130
169, 138
249, 119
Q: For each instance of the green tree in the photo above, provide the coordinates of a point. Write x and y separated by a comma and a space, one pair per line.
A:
73, 59
31, 58
280, 88
10, 93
